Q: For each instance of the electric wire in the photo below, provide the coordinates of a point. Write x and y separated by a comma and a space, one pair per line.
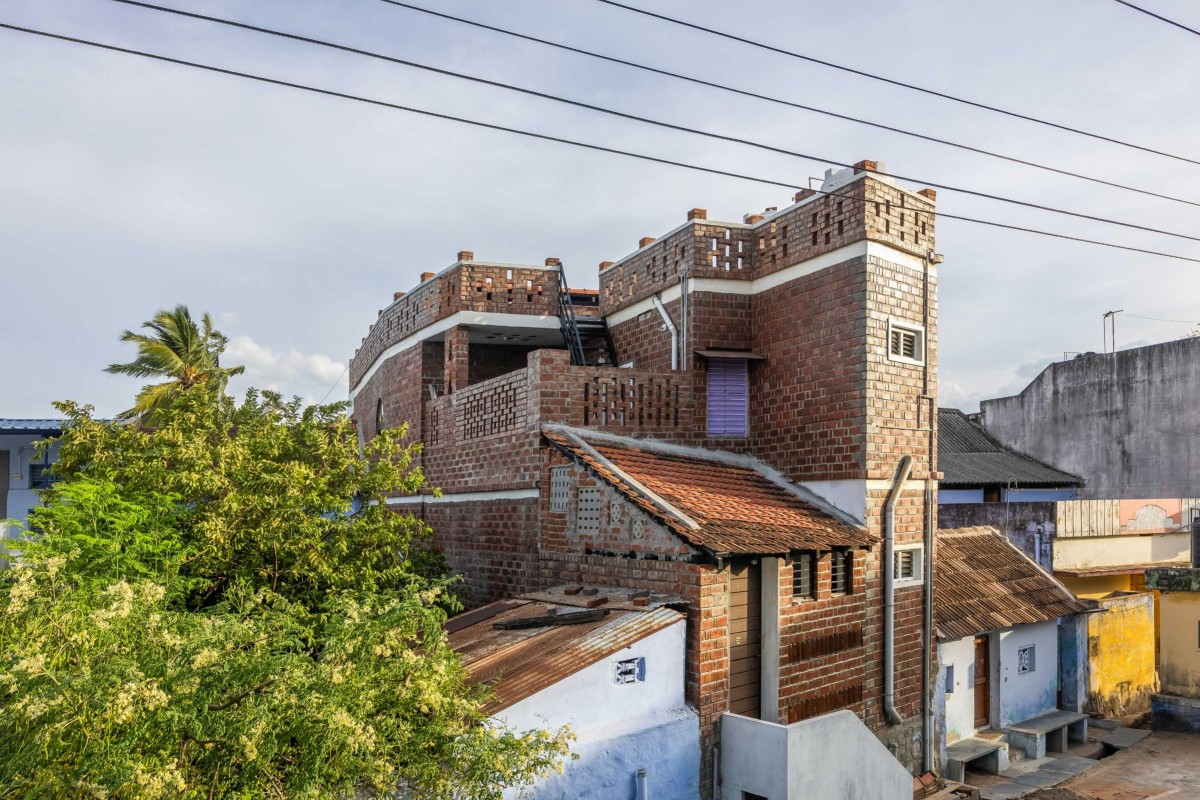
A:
1160, 319
642, 119
790, 103
1159, 17
561, 140
893, 81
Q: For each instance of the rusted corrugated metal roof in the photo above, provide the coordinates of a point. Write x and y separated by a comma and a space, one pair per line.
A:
735, 508
520, 663
983, 582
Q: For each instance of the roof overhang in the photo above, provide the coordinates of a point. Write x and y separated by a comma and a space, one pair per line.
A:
746, 354
1114, 569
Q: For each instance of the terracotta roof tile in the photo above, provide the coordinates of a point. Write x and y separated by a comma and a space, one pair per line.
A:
737, 509
983, 582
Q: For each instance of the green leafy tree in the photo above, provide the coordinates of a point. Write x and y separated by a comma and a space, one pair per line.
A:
177, 348
201, 615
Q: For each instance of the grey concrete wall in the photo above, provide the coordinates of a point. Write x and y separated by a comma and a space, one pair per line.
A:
1127, 423
1030, 526
831, 756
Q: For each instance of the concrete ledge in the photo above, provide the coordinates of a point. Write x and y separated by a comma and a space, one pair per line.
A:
984, 755
1172, 712
1045, 733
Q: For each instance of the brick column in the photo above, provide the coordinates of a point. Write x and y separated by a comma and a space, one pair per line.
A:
457, 359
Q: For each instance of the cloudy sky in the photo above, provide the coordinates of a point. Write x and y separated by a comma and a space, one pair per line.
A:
127, 186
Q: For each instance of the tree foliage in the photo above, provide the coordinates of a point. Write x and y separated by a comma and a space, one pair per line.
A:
201, 615
178, 348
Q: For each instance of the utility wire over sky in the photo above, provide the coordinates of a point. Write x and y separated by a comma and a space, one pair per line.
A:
557, 139
788, 103
1159, 17
892, 81
646, 120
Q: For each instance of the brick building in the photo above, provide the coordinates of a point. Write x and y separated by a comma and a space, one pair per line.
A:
723, 423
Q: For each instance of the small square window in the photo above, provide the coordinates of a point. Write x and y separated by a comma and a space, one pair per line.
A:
629, 670
1026, 660
949, 679
839, 572
908, 566
906, 342
804, 577
40, 476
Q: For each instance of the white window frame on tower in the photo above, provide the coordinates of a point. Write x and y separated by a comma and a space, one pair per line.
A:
896, 326
918, 564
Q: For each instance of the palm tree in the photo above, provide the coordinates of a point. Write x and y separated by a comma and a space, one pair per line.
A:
176, 348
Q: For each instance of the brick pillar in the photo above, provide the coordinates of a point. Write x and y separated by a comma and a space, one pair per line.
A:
457, 359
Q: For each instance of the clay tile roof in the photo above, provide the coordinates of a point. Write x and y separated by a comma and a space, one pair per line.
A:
521, 662
733, 504
969, 456
983, 582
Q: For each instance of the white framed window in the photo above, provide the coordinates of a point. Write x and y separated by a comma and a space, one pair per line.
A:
906, 342
1026, 660
908, 565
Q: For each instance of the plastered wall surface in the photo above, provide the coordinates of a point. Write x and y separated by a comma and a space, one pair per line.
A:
959, 704
1025, 695
1180, 642
1102, 551
1121, 674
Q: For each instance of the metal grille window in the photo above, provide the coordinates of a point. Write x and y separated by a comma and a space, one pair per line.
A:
40, 476
839, 572
728, 396
560, 489
629, 670
906, 343
804, 577
1026, 660
906, 563
588, 511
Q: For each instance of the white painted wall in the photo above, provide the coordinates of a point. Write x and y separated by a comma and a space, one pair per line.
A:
1026, 695
831, 756
1107, 551
960, 704
620, 728
21, 498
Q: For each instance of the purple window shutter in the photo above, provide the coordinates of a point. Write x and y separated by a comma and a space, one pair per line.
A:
728, 390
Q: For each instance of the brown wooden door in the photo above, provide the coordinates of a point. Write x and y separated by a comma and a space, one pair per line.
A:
983, 689
745, 637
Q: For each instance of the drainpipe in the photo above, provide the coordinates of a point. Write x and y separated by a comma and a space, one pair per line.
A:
643, 791
889, 590
927, 630
662, 311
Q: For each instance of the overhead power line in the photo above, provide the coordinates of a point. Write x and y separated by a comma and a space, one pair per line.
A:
1159, 17
894, 82
1160, 319
560, 140
644, 120
789, 103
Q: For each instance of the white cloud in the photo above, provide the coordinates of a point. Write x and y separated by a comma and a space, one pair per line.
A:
287, 371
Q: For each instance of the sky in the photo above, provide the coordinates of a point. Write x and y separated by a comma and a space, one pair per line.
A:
127, 186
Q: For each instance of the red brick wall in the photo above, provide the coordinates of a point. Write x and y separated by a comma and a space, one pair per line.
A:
491, 543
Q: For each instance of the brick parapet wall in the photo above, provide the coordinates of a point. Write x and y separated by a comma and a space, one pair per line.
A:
467, 286
491, 543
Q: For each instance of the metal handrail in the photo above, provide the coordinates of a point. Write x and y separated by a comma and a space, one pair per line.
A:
567, 321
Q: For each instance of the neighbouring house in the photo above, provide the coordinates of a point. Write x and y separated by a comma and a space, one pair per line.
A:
977, 468
1000, 668
729, 422
23, 473
1177, 706
610, 665
1123, 421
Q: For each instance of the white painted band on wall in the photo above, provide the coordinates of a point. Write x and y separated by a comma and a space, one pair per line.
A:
730, 286
484, 319
466, 497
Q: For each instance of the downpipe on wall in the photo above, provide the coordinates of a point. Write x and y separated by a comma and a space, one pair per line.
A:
643, 789
927, 633
889, 590
662, 310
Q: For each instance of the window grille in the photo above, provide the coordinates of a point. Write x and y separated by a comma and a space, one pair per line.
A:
560, 488
839, 572
804, 577
629, 670
588, 508
906, 343
1026, 660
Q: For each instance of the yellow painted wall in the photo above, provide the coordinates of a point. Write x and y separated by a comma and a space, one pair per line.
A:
1098, 586
1121, 673
1179, 614
1108, 551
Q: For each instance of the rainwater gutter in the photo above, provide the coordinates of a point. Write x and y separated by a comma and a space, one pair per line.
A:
889, 590
662, 311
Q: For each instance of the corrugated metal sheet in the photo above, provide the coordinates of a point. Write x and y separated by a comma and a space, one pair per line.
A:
1088, 518
31, 425
520, 663
983, 582
728, 393
968, 456
739, 510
